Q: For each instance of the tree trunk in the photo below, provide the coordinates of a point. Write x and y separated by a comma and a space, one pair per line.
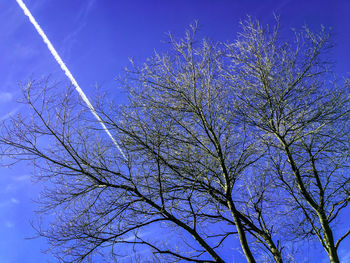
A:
327, 232
242, 236
328, 238
273, 249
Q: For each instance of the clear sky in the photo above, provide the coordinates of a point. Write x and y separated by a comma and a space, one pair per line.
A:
95, 38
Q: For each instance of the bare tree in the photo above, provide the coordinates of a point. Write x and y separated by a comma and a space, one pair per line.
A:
202, 160
289, 97
182, 100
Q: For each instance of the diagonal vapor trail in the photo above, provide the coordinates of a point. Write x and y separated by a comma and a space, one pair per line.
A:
67, 72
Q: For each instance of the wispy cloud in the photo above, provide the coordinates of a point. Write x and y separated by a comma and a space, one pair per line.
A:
81, 18
132, 237
344, 256
9, 202
24, 51
84, 12
14, 184
22, 178
14, 200
9, 114
5, 96
9, 224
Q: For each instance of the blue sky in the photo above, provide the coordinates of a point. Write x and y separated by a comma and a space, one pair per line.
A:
95, 38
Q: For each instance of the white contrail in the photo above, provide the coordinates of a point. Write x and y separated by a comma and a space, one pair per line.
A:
67, 72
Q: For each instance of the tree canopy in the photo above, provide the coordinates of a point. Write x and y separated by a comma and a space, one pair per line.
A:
246, 140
